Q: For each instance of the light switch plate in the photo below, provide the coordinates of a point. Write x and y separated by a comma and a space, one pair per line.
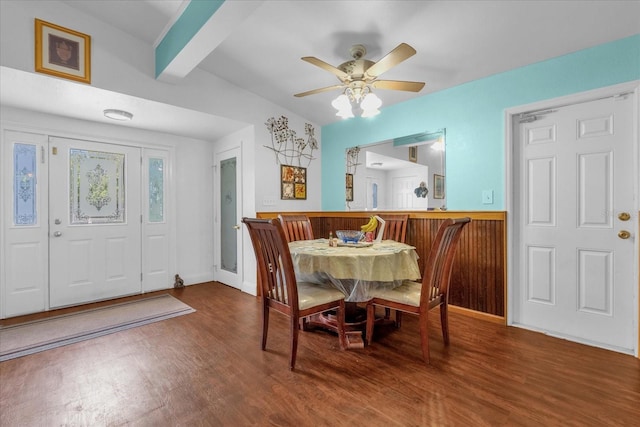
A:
487, 197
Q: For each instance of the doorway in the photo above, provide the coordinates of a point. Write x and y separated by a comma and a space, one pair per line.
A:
94, 221
71, 220
227, 216
574, 203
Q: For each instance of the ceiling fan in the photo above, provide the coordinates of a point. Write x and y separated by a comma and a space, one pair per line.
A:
359, 75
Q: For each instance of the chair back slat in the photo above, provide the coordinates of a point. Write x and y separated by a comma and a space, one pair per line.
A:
395, 227
296, 227
439, 263
275, 267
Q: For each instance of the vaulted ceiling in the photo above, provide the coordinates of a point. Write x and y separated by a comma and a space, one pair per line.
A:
456, 41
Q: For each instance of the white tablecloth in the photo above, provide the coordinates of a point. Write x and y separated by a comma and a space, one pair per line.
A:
355, 270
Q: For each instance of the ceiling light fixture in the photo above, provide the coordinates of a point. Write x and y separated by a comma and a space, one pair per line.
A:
360, 94
118, 114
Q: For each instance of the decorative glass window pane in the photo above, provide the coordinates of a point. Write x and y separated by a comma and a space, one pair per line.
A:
24, 184
228, 216
156, 190
96, 187
375, 196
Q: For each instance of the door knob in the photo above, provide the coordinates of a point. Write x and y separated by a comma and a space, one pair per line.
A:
57, 234
624, 234
624, 216
236, 227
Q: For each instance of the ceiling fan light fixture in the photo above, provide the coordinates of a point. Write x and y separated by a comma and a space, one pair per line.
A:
118, 114
370, 105
345, 114
358, 76
438, 145
343, 105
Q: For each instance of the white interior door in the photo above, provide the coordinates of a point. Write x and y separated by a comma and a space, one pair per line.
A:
402, 190
95, 216
227, 217
574, 198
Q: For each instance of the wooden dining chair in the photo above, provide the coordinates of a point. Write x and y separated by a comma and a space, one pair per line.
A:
420, 297
395, 227
296, 227
280, 290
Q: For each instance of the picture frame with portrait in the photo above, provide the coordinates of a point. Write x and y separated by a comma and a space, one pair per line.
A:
293, 182
62, 52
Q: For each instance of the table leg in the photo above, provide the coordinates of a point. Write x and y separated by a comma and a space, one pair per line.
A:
355, 323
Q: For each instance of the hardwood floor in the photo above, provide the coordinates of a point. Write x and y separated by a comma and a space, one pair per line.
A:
206, 368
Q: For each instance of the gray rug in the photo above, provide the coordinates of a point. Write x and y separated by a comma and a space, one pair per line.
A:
32, 337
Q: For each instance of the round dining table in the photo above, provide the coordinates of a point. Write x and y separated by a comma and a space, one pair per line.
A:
355, 269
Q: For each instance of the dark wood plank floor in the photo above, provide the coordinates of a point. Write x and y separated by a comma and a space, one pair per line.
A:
206, 368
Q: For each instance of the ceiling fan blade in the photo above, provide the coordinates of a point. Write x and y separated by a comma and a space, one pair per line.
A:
398, 85
393, 58
314, 91
328, 67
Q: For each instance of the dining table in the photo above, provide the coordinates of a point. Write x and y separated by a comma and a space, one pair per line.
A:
355, 269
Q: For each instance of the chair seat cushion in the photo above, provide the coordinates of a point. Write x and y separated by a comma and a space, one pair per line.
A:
311, 295
408, 293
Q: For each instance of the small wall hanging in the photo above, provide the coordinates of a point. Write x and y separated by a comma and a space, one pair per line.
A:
62, 52
349, 187
438, 186
293, 182
290, 149
413, 154
352, 159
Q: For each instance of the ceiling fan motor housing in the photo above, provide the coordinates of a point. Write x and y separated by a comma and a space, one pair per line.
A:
357, 51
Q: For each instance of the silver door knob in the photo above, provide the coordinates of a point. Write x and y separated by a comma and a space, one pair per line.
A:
236, 227
57, 234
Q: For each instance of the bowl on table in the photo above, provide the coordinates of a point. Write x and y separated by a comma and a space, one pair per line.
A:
350, 236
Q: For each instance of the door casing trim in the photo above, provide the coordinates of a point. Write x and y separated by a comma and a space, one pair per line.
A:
510, 116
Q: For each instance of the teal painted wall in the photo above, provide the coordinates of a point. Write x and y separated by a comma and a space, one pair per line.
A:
473, 115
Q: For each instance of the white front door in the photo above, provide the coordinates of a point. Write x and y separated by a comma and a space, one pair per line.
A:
574, 199
227, 217
94, 221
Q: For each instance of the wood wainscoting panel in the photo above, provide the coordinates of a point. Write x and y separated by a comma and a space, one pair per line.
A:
478, 281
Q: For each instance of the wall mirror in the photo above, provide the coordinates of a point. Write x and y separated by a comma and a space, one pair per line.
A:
404, 173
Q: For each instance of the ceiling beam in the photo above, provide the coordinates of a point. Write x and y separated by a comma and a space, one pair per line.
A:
201, 27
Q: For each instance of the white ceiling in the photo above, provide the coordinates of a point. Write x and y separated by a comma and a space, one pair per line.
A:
456, 42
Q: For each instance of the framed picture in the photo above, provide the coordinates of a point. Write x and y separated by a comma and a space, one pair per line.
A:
293, 181
349, 187
62, 52
413, 154
349, 193
438, 186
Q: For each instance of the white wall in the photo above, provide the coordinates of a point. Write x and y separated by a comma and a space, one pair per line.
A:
124, 64
192, 202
